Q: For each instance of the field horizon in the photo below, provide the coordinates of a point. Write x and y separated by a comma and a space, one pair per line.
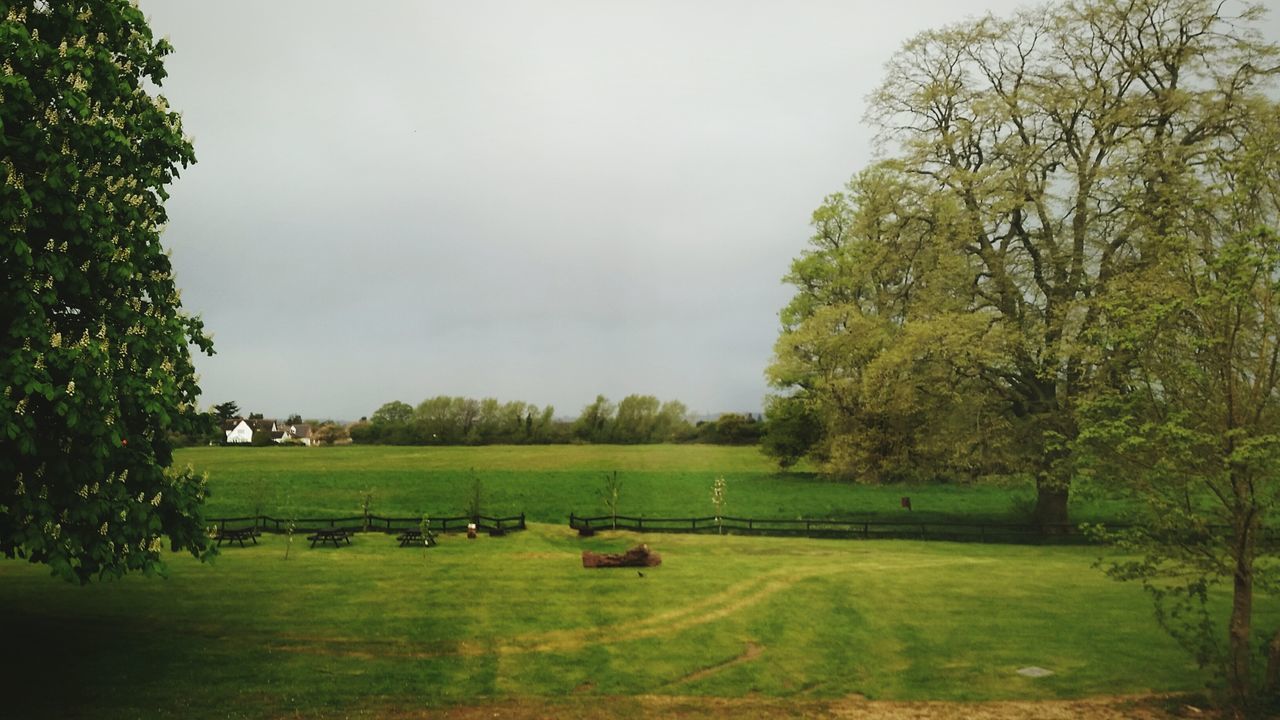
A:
548, 482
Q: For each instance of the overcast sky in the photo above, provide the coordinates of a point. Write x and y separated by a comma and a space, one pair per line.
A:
534, 201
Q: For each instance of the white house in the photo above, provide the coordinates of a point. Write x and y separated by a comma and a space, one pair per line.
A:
240, 430
300, 432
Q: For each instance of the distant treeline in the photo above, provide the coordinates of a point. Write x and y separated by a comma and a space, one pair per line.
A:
636, 419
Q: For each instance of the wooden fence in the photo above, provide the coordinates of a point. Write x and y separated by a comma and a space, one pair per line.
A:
868, 529
371, 523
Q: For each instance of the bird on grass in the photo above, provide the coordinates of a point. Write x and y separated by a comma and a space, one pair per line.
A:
640, 573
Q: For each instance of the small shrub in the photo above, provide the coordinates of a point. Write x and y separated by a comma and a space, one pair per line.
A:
1022, 507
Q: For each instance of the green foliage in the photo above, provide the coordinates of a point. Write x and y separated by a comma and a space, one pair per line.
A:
731, 429
362, 432
445, 420
392, 413
718, 496
944, 318
637, 419
595, 424
93, 340
1193, 427
227, 410
329, 433
792, 430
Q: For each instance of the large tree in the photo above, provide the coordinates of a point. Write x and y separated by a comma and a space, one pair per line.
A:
94, 345
944, 316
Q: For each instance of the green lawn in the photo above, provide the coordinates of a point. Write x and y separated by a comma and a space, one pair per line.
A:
373, 629
549, 482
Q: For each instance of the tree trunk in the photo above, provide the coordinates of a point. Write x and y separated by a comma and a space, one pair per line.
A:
1272, 686
1051, 504
1239, 629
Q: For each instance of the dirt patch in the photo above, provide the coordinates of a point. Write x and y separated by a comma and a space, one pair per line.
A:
730, 601
542, 555
1150, 707
751, 652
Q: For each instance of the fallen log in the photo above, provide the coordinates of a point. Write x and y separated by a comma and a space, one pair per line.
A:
638, 556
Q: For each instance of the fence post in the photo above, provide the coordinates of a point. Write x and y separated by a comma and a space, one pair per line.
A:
522, 527
572, 517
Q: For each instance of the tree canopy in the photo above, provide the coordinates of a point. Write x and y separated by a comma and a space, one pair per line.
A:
94, 344
226, 410
945, 314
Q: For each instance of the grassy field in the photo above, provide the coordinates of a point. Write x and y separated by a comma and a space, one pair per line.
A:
373, 629
549, 482
514, 626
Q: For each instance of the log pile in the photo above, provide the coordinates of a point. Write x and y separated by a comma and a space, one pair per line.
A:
638, 556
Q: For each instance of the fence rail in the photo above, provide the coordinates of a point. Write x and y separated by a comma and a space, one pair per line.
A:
370, 523
868, 529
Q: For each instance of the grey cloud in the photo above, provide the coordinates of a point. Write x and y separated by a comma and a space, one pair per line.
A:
536, 201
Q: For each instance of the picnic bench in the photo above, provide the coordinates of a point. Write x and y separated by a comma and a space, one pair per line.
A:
336, 536
415, 538
236, 535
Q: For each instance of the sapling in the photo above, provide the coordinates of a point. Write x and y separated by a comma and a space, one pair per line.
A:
291, 524
424, 527
365, 506
475, 498
611, 492
288, 536
717, 499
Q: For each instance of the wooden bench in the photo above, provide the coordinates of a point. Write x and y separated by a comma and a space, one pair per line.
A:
236, 535
336, 536
415, 538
